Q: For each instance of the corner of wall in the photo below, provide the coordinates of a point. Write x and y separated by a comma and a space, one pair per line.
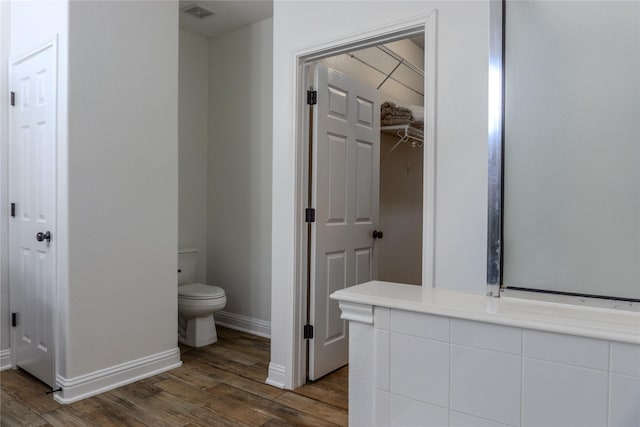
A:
5, 35
193, 101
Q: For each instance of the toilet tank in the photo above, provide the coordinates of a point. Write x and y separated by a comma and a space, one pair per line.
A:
187, 266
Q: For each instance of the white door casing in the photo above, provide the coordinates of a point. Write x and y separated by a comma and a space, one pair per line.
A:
32, 267
345, 194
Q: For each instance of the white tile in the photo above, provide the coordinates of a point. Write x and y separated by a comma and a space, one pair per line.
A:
556, 395
485, 335
409, 413
457, 419
624, 401
420, 325
569, 349
382, 359
420, 369
382, 409
381, 318
625, 358
486, 384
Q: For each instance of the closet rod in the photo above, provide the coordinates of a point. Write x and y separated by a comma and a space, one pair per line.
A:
404, 133
399, 58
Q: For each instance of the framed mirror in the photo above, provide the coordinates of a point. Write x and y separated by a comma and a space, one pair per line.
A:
564, 135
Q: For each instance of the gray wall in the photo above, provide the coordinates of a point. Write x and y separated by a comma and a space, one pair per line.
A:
239, 155
122, 183
193, 117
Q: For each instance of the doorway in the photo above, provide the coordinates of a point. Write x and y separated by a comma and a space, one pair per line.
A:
364, 180
32, 222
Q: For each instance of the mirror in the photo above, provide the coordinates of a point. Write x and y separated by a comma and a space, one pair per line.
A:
571, 151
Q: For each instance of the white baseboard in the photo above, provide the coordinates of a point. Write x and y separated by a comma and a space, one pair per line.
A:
5, 359
277, 375
238, 322
83, 386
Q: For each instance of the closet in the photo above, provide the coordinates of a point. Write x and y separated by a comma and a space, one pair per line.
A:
395, 69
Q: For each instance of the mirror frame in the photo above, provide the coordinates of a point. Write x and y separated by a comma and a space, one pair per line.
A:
496, 142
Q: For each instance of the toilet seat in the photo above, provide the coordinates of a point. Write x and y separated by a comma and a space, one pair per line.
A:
199, 291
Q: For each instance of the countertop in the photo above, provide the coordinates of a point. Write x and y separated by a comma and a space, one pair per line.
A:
593, 322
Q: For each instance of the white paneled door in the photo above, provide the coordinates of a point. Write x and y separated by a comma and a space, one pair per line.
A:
345, 194
32, 224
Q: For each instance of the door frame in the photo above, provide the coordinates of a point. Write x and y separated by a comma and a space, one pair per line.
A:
420, 24
15, 60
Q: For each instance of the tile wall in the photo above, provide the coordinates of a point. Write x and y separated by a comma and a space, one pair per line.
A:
438, 371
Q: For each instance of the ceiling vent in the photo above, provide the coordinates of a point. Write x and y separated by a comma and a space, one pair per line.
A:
197, 11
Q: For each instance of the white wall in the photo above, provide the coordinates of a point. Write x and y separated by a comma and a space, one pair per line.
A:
239, 186
5, 34
193, 96
461, 143
123, 183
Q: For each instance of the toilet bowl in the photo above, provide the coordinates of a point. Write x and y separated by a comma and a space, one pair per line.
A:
196, 304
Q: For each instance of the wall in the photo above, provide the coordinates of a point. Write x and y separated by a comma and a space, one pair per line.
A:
461, 144
239, 183
422, 369
123, 185
400, 251
193, 98
5, 35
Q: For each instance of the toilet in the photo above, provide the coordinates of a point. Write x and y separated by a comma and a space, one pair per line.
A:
196, 303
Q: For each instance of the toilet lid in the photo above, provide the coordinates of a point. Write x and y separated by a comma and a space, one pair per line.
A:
200, 291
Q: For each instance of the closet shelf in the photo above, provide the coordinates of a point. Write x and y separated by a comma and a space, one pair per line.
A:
406, 133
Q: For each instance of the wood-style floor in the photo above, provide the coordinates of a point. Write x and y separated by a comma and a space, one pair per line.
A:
218, 385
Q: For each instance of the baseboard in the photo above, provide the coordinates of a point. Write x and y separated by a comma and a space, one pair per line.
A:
81, 387
277, 375
5, 359
238, 322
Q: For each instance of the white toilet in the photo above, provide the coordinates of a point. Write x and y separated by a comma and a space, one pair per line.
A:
196, 303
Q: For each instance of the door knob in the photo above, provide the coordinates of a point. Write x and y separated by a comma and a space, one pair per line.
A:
43, 236
377, 234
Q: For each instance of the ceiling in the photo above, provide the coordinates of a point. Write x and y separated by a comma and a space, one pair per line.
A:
228, 15
395, 68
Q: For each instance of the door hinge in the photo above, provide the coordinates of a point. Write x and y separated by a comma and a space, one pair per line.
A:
14, 319
308, 332
13, 210
13, 99
309, 215
312, 97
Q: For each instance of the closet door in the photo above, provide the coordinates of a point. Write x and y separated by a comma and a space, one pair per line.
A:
345, 187
32, 229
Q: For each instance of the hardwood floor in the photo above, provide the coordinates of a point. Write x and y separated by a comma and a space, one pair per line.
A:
218, 385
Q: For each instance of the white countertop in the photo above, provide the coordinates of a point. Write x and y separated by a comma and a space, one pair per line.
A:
601, 323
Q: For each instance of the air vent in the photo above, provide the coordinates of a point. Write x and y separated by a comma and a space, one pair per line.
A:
197, 11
